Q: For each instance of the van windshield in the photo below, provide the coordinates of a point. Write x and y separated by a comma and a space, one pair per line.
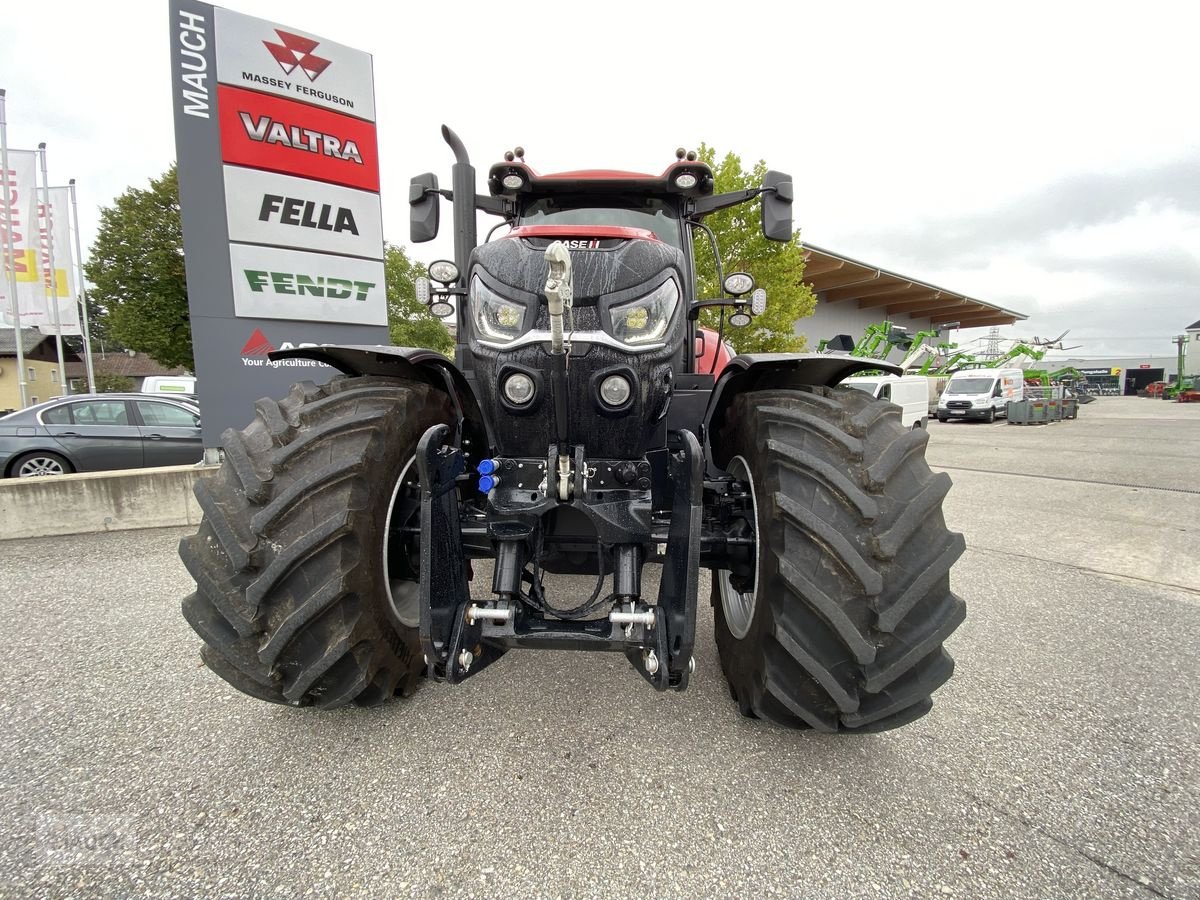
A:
970, 386
868, 386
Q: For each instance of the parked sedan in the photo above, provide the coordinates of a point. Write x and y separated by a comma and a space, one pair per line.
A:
98, 432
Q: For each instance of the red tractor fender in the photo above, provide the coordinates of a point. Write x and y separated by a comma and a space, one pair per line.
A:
708, 345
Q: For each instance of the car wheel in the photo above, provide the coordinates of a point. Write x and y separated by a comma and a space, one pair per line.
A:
42, 462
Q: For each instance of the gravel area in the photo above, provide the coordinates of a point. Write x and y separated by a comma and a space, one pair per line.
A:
1063, 759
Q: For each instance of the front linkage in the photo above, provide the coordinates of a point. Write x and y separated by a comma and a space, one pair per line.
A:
461, 636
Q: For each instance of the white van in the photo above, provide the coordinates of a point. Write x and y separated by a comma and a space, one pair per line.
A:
169, 384
980, 394
909, 392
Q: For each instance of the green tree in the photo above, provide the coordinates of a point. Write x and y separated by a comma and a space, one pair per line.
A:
410, 324
113, 384
139, 290
778, 267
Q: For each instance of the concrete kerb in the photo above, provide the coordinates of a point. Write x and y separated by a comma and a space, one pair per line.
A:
101, 501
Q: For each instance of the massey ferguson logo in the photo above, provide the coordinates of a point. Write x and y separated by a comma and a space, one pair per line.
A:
269, 131
296, 52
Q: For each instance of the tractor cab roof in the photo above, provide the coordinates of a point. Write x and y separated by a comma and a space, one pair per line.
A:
517, 181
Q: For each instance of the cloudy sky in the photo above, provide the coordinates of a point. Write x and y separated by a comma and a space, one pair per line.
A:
1044, 157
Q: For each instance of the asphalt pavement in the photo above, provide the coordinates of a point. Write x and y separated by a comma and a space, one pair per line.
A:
1063, 759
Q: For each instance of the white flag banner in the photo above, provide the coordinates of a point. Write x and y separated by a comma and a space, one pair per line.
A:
55, 230
21, 209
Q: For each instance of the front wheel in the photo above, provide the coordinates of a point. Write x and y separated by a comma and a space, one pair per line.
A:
991, 416
842, 625
304, 562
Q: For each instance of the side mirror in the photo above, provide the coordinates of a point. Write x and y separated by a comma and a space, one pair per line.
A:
777, 206
423, 212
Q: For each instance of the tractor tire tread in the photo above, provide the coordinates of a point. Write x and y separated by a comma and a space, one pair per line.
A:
854, 603
289, 600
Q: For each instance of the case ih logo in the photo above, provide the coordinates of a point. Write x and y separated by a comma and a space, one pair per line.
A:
296, 52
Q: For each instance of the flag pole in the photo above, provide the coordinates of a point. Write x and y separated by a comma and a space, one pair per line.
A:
64, 386
87, 332
10, 268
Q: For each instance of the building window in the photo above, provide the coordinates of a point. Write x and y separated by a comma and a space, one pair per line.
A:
33, 400
32, 373
54, 376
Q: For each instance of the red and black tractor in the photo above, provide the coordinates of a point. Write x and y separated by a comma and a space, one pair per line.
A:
586, 426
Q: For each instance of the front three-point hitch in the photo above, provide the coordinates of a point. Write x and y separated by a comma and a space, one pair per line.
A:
460, 635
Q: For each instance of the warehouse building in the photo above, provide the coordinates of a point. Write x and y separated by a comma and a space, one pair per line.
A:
852, 295
1121, 375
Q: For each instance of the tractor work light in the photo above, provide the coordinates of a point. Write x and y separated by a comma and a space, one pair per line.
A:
645, 320
738, 283
758, 302
518, 388
513, 182
421, 286
615, 391
441, 309
443, 271
685, 181
740, 319
496, 319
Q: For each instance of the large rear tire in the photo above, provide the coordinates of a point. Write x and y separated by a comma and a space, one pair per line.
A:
291, 597
842, 628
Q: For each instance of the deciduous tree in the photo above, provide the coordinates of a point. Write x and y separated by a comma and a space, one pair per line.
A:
410, 324
139, 289
777, 267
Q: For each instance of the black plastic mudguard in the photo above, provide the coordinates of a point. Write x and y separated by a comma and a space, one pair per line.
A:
763, 371
401, 362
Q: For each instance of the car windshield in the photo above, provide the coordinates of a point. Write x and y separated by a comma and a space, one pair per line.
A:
970, 386
650, 214
868, 386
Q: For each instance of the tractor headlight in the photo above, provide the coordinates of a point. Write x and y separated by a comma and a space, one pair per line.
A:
496, 319
645, 319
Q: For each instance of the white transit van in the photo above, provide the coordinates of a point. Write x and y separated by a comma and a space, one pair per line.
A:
169, 384
980, 394
909, 392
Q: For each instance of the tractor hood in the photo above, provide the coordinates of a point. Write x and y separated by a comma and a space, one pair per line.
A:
605, 260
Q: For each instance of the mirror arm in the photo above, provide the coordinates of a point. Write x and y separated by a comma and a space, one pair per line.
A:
702, 206
497, 206
695, 308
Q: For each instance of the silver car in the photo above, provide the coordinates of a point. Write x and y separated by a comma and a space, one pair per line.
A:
98, 432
